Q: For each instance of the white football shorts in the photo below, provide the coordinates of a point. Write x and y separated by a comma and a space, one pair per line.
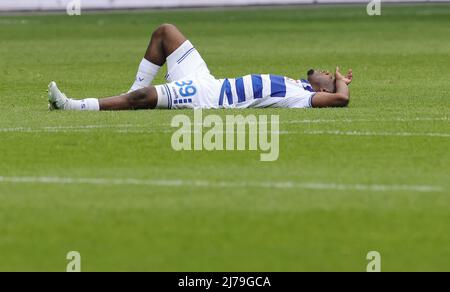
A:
191, 84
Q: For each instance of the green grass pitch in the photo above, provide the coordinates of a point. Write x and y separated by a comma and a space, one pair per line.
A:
380, 167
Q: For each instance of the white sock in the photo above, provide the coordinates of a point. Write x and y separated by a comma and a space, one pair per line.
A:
145, 75
88, 104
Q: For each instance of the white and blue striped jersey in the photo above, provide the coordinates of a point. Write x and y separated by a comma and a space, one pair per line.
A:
251, 91
265, 90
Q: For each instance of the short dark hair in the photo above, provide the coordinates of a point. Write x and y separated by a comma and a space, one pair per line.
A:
310, 72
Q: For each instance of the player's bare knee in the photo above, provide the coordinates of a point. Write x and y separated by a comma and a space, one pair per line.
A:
158, 33
163, 30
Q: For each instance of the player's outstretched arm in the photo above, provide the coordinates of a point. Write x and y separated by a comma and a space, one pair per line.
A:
340, 98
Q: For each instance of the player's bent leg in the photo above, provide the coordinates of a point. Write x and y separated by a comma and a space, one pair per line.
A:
169, 45
166, 39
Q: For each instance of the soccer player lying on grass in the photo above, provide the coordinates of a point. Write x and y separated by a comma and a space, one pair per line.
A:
191, 84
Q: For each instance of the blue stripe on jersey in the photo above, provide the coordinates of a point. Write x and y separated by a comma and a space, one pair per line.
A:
240, 89
257, 86
278, 86
226, 89
229, 93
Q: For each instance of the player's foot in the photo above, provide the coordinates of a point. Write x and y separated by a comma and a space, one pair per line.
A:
56, 99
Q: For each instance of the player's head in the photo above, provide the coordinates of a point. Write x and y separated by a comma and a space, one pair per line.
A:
322, 81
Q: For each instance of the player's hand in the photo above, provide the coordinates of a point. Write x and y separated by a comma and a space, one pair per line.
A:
347, 78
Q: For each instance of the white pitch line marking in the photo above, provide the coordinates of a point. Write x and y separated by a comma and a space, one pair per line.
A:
308, 132
64, 128
218, 184
358, 133
141, 129
305, 121
129, 130
403, 120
